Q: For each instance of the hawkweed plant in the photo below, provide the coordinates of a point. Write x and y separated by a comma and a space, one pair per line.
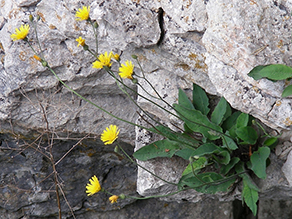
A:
234, 143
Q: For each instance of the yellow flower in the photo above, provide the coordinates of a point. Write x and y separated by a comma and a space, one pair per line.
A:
37, 58
82, 14
116, 57
103, 60
113, 198
93, 186
81, 41
110, 134
20, 33
127, 70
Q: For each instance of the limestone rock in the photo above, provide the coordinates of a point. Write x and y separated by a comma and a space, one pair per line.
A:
211, 43
237, 37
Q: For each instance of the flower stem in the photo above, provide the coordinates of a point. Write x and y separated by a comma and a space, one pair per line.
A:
131, 160
90, 102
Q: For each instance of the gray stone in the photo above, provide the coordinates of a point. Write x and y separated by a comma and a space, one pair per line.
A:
211, 43
26, 3
287, 167
27, 182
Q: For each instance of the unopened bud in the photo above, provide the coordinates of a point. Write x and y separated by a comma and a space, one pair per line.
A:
122, 196
44, 63
135, 80
116, 149
134, 56
38, 18
30, 17
95, 24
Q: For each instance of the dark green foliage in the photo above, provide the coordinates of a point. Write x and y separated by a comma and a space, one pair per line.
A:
223, 135
258, 161
209, 182
275, 72
163, 148
287, 91
221, 112
198, 122
200, 100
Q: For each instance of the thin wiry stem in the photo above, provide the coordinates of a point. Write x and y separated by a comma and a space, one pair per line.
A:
90, 102
145, 168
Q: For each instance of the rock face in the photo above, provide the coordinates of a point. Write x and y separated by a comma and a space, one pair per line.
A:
211, 43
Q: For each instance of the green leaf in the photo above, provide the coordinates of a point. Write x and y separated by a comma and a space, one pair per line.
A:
186, 153
271, 142
239, 168
208, 148
242, 120
200, 99
255, 72
197, 165
230, 121
184, 101
198, 122
228, 142
247, 134
226, 168
273, 72
250, 197
175, 136
258, 161
215, 182
287, 91
221, 112
162, 148
222, 157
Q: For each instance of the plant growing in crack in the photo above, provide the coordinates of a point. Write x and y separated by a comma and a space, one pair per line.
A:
233, 143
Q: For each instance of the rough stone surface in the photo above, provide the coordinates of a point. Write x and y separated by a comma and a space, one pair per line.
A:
228, 46
27, 185
213, 43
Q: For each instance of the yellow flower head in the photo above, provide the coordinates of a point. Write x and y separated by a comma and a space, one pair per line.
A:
37, 58
82, 14
127, 70
81, 41
93, 186
20, 33
110, 134
116, 57
103, 60
113, 198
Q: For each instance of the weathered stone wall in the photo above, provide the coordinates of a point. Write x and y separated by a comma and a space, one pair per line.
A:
212, 43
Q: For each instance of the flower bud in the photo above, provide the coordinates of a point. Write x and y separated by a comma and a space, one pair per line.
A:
95, 24
134, 80
134, 56
122, 196
30, 18
38, 17
116, 149
44, 63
